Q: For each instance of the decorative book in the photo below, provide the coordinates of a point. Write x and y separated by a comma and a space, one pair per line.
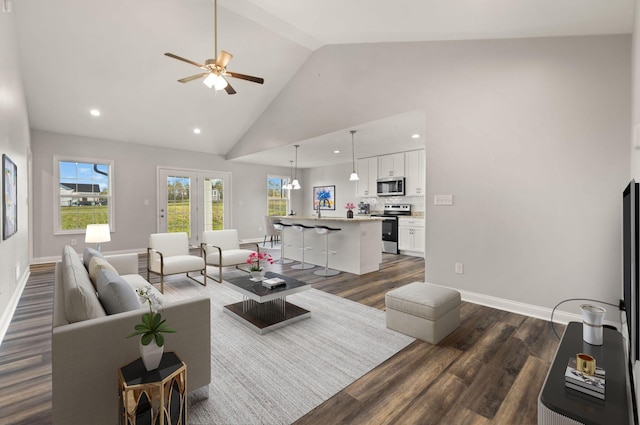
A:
592, 385
274, 282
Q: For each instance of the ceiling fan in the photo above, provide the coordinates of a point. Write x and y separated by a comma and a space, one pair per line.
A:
216, 69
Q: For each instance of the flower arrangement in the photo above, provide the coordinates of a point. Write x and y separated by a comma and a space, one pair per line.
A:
152, 326
254, 260
350, 206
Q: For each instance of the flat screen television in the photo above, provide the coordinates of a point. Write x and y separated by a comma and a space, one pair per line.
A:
630, 213
631, 289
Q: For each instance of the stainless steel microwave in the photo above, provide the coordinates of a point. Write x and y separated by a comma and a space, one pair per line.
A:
390, 186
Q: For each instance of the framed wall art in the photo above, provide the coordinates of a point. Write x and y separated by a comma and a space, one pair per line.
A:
324, 197
10, 197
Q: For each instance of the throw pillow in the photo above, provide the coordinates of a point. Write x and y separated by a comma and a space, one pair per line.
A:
115, 294
80, 299
95, 265
88, 254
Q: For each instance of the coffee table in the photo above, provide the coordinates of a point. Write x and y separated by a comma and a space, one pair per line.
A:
266, 309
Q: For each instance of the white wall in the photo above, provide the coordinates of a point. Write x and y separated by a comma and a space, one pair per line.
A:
14, 142
531, 136
135, 181
337, 175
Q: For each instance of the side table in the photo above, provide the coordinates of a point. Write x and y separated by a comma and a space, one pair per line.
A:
155, 397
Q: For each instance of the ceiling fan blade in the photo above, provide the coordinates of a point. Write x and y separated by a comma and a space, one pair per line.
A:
193, 77
223, 58
245, 77
171, 55
229, 89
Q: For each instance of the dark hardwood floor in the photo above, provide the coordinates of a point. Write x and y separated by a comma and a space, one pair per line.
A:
489, 371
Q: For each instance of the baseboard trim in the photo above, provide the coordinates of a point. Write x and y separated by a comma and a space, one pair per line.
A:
543, 313
7, 315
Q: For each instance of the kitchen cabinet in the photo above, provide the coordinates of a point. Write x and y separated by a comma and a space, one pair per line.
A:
367, 169
391, 165
411, 236
414, 162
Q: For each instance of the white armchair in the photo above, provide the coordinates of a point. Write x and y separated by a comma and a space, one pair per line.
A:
221, 248
168, 253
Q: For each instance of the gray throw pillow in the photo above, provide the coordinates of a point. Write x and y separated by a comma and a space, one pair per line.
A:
88, 254
115, 294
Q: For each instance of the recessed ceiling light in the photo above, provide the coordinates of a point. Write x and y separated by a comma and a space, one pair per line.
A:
336, 151
95, 112
196, 130
415, 136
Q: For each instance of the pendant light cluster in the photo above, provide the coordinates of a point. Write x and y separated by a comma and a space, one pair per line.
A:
293, 179
354, 175
289, 186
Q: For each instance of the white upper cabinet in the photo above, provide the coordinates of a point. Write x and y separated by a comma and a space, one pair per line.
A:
414, 162
391, 165
368, 173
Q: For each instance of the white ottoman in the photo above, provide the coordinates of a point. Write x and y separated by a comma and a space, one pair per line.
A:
424, 311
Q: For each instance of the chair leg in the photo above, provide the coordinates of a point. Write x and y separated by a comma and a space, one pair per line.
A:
161, 283
196, 280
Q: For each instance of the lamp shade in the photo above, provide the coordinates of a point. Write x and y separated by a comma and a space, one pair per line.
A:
354, 177
97, 233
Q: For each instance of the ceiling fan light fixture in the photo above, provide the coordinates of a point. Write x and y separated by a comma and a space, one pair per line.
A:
216, 81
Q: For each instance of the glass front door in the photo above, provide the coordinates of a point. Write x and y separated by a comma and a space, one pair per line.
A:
192, 202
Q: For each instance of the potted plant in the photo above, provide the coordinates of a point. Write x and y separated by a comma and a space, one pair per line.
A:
255, 269
151, 329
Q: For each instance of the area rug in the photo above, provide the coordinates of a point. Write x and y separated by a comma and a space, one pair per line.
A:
278, 377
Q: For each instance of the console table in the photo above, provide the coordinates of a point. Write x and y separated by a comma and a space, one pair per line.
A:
559, 405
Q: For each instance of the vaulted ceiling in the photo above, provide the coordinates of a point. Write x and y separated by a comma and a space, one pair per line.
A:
82, 54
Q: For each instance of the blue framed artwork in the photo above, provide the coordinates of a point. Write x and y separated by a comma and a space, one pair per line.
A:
324, 197
10, 197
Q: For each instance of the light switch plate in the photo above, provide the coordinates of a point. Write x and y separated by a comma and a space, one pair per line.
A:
443, 200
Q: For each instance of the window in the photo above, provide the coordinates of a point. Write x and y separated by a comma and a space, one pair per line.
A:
277, 196
84, 194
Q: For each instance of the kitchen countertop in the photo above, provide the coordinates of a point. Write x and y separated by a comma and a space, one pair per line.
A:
344, 219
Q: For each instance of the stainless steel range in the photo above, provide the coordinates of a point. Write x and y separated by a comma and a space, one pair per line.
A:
390, 225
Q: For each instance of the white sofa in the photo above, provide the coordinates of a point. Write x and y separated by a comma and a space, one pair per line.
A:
88, 346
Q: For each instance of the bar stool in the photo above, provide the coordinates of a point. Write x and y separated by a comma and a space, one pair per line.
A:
280, 226
326, 231
302, 228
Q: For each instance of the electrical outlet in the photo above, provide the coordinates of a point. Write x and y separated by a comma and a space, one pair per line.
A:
74, 242
459, 268
443, 200
18, 272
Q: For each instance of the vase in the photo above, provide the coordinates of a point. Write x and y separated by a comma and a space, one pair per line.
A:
349, 214
151, 355
592, 318
258, 275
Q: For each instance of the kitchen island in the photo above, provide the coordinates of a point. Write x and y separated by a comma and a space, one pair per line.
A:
358, 245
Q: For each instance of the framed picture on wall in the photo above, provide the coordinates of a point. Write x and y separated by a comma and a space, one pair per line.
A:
324, 197
10, 197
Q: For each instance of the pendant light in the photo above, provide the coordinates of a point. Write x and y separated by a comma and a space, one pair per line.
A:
354, 175
289, 186
295, 183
